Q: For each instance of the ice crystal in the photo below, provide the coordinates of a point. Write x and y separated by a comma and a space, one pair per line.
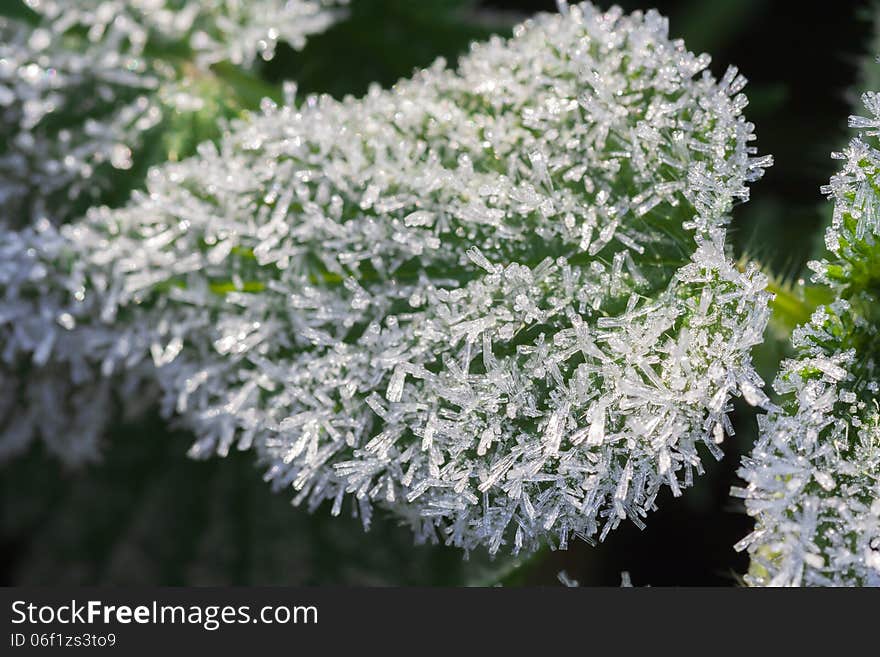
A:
566, 580
813, 479
83, 89
495, 301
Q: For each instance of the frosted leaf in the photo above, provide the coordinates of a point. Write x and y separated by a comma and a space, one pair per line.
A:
496, 301
236, 31
813, 477
84, 91
239, 32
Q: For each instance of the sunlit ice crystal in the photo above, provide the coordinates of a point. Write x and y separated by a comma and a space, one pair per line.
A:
85, 89
496, 301
812, 482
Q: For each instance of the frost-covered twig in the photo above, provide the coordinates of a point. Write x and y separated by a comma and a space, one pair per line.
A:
813, 479
496, 301
84, 91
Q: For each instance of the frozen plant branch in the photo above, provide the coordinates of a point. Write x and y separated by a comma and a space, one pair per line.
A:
497, 302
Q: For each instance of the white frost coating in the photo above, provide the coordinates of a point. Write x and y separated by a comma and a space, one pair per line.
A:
813, 478
238, 31
81, 90
496, 302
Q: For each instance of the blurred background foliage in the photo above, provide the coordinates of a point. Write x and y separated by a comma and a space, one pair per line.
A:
148, 515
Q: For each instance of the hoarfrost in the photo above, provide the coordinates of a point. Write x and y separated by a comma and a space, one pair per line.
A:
812, 481
496, 302
85, 90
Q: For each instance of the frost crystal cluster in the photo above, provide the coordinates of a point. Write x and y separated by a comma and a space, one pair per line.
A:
813, 479
84, 90
496, 301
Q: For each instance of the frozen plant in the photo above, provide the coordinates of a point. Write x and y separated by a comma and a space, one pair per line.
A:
813, 478
497, 302
88, 85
